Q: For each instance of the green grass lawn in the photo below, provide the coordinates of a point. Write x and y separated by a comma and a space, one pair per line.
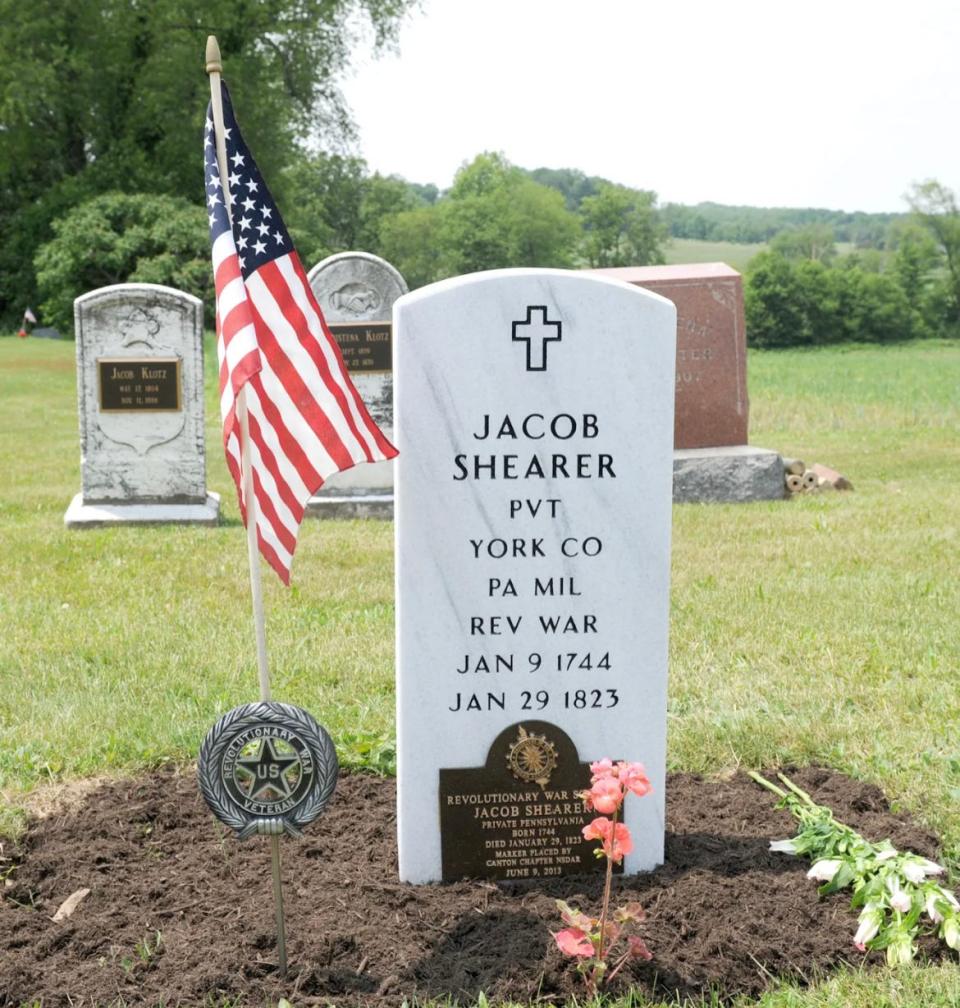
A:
822, 630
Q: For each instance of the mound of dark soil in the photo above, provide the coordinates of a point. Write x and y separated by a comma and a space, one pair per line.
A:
179, 913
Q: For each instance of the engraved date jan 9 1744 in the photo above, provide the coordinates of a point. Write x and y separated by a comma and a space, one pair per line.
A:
565, 661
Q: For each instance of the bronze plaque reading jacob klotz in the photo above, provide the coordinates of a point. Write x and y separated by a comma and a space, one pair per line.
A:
149, 385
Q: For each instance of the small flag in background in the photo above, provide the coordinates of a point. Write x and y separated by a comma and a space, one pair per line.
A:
306, 419
28, 317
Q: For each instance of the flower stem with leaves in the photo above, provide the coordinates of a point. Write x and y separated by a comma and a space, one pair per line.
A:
591, 939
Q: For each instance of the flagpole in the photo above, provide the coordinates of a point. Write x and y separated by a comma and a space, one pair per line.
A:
214, 69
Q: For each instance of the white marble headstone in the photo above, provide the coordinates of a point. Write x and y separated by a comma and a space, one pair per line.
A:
534, 411
356, 292
140, 392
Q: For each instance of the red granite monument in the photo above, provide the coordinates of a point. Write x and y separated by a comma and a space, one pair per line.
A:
712, 458
711, 404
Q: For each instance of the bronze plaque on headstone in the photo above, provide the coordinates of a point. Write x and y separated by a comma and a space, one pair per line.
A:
135, 384
521, 815
366, 347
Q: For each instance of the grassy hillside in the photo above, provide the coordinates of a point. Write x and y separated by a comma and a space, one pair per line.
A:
692, 250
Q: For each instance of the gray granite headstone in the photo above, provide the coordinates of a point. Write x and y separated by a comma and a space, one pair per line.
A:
356, 292
140, 391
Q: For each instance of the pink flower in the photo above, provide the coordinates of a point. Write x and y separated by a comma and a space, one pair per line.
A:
629, 912
572, 941
600, 769
615, 838
622, 843
634, 778
604, 796
574, 917
597, 829
638, 948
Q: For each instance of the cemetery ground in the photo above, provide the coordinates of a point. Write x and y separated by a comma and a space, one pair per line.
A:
820, 631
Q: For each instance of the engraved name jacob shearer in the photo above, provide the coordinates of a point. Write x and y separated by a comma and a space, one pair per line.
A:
536, 427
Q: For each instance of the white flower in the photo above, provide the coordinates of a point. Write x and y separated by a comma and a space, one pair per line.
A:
915, 870
886, 854
939, 895
900, 901
784, 846
931, 907
869, 926
825, 869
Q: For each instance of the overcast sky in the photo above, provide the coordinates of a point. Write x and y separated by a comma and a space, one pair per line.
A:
836, 104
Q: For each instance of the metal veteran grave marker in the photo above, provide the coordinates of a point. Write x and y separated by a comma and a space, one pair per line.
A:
535, 415
267, 768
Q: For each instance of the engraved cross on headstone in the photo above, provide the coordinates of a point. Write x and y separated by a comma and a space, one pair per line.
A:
539, 332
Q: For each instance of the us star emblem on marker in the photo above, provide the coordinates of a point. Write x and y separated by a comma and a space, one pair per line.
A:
266, 774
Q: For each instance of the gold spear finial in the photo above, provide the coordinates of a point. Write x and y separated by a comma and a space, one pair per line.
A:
213, 55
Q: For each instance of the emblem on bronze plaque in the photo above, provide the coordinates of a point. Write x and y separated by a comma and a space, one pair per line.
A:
267, 768
520, 815
532, 757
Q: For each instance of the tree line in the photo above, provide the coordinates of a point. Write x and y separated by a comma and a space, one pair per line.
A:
747, 224
495, 214
103, 97
101, 114
801, 292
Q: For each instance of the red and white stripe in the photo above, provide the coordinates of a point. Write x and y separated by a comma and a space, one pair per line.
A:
306, 419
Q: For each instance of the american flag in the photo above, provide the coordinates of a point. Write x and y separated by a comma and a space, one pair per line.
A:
306, 419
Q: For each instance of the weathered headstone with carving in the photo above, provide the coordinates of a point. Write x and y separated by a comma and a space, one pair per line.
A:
140, 391
535, 423
356, 292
